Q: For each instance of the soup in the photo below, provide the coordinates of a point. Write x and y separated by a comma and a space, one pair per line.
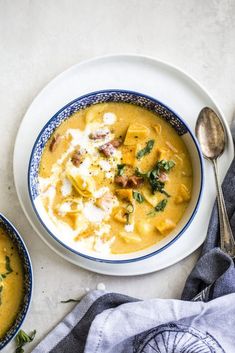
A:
115, 178
11, 282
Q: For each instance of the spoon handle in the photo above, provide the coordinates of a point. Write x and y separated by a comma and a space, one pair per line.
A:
227, 243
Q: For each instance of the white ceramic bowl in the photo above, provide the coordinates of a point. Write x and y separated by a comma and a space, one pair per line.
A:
133, 98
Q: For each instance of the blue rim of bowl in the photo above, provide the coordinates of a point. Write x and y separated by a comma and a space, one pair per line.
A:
188, 130
28, 273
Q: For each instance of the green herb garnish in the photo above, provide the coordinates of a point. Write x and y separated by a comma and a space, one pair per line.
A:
1, 289
140, 174
120, 169
8, 265
146, 150
161, 205
153, 176
159, 208
22, 339
155, 183
165, 166
138, 196
129, 210
4, 275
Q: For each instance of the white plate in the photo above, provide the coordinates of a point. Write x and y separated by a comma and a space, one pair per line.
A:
142, 74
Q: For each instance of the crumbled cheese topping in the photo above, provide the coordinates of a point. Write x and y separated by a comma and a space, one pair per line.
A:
92, 213
64, 208
66, 187
109, 118
129, 228
105, 165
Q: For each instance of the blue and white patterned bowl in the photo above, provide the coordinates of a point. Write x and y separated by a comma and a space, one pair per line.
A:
28, 280
141, 100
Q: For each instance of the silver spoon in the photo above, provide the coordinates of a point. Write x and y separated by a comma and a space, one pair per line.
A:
212, 138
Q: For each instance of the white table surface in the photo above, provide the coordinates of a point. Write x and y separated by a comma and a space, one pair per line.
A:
38, 40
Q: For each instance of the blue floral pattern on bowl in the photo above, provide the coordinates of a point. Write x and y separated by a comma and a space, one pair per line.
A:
86, 101
83, 102
28, 280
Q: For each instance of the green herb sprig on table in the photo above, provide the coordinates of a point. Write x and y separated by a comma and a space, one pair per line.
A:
22, 339
146, 150
158, 208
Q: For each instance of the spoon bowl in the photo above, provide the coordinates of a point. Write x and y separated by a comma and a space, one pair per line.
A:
210, 133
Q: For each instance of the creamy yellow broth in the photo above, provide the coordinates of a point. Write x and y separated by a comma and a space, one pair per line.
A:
123, 228
11, 282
